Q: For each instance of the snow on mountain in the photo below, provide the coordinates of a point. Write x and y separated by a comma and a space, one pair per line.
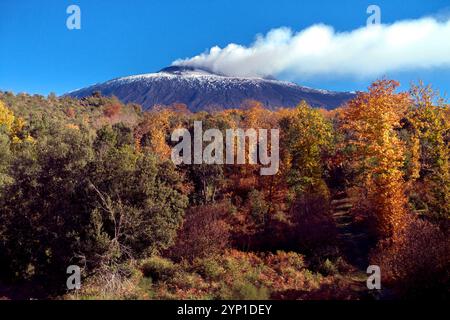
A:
200, 90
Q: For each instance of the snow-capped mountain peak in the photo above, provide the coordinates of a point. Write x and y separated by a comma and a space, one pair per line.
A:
201, 89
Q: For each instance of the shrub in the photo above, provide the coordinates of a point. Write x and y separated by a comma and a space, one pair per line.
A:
122, 282
328, 268
417, 262
70, 112
247, 291
204, 233
258, 207
158, 268
314, 227
209, 267
112, 109
283, 260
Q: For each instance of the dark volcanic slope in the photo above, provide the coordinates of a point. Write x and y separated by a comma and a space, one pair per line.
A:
200, 90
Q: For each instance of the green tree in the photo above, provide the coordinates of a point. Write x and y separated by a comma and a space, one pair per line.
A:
40, 211
428, 129
306, 138
135, 198
5, 157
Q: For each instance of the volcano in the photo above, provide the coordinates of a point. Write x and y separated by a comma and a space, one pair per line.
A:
201, 89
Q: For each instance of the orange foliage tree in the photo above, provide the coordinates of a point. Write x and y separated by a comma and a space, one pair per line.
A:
112, 110
155, 128
377, 154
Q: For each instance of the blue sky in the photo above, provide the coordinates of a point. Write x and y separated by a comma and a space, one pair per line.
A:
38, 54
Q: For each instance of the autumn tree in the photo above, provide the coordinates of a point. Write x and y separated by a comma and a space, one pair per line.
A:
205, 232
6, 118
112, 109
416, 265
11, 133
429, 151
6, 121
307, 135
12, 125
306, 140
377, 154
207, 179
153, 131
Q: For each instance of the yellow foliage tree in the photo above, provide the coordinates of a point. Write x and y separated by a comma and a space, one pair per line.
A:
156, 125
13, 126
7, 118
371, 121
429, 127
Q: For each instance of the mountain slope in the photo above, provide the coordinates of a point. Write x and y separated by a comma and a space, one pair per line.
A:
201, 89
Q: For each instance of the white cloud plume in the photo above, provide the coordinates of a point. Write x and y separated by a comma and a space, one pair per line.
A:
320, 51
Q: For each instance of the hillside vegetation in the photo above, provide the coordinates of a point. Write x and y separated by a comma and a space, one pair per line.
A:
90, 182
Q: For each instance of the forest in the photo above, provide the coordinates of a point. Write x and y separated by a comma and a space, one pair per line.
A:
90, 182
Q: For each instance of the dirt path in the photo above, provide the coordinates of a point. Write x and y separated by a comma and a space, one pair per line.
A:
352, 241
